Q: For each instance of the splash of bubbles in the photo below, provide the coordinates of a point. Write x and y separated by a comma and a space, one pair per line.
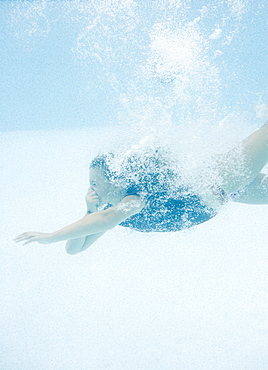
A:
29, 19
162, 53
162, 60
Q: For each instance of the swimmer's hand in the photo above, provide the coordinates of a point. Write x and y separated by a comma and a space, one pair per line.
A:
92, 200
29, 237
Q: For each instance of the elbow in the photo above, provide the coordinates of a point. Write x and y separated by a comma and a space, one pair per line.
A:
71, 250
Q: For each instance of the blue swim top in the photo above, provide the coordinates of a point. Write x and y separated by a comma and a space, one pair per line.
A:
168, 207
163, 212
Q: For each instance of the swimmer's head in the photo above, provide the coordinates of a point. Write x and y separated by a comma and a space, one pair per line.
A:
102, 162
104, 181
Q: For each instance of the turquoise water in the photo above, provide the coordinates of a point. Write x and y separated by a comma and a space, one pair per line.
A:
70, 64
82, 77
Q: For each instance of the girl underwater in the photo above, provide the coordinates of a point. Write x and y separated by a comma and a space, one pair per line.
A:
146, 194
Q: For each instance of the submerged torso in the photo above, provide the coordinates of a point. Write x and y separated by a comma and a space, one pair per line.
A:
164, 213
170, 205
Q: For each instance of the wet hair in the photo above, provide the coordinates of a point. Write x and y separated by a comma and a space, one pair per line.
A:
148, 172
102, 162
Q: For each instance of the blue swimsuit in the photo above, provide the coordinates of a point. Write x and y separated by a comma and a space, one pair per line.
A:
164, 213
168, 208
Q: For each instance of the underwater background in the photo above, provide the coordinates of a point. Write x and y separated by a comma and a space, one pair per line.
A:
79, 78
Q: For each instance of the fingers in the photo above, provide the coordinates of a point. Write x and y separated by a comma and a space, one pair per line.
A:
92, 197
18, 237
25, 236
91, 191
92, 200
95, 200
29, 241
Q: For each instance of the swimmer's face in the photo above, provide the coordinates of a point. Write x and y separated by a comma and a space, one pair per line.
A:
106, 191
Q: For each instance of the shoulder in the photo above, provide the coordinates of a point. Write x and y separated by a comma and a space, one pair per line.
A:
130, 204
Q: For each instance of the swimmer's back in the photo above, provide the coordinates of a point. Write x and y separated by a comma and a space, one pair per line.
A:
163, 213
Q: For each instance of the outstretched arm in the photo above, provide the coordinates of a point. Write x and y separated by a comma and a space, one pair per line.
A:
94, 223
77, 245
74, 246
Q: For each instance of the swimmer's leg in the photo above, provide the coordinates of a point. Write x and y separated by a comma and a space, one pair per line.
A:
241, 166
254, 193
